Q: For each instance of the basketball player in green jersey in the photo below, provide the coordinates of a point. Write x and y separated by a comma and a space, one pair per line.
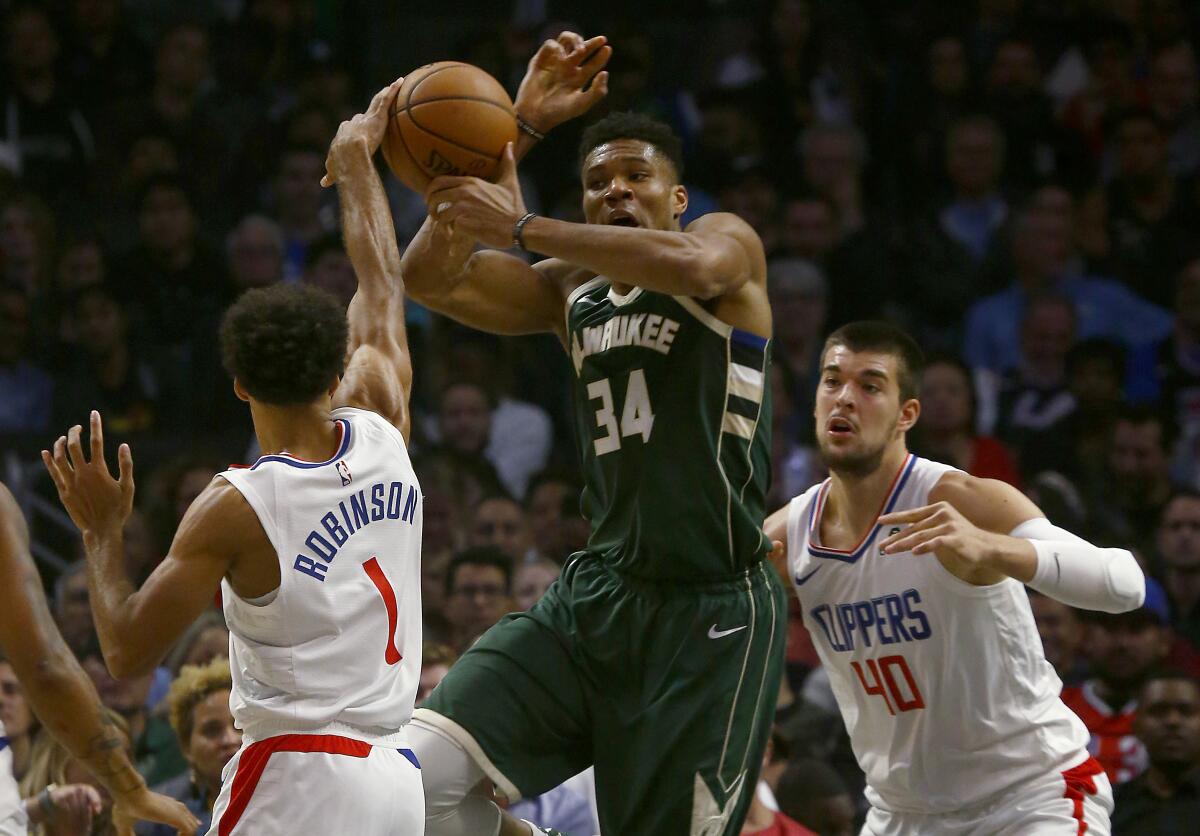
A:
657, 655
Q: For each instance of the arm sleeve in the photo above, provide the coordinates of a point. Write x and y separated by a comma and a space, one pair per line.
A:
1072, 570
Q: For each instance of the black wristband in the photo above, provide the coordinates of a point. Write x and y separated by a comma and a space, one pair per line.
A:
519, 230
529, 129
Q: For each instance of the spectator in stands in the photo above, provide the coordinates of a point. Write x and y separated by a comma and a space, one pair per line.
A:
551, 497
532, 579
1175, 97
1124, 651
327, 266
799, 295
1131, 499
107, 62
459, 464
198, 706
753, 195
1175, 381
72, 610
47, 141
1034, 396
52, 765
20, 723
1037, 146
478, 592
1152, 216
26, 390
811, 793
156, 751
763, 819
1111, 84
499, 521
207, 639
1061, 631
1178, 541
436, 660
946, 431
27, 244
1044, 261
833, 160
81, 261
441, 538
133, 393
255, 252
296, 197
1165, 799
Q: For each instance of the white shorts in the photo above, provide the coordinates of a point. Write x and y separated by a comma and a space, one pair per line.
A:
309, 783
1068, 803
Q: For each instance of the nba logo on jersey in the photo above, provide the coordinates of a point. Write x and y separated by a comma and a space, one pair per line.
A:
895, 530
344, 472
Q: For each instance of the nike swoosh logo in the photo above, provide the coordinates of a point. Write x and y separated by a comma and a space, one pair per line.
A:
714, 633
801, 581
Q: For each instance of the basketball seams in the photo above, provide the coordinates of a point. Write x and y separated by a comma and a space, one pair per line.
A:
408, 107
481, 99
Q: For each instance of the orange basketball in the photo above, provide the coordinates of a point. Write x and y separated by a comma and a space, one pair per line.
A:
449, 118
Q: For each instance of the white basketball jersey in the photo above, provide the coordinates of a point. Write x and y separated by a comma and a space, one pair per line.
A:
338, 647
12, 817
943, 686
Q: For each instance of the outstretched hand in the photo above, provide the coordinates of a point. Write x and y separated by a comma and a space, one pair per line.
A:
361, 131
939, 528
485, 211
566, 76
96, 502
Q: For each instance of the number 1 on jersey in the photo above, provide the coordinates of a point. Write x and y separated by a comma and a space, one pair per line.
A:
391, 654
637, 418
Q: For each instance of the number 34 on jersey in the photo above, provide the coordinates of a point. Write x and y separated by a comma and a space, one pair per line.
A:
637, 416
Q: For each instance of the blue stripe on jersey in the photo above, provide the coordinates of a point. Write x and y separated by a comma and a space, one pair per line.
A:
3, 743
410, 756
821, 551
749, 340
288, 460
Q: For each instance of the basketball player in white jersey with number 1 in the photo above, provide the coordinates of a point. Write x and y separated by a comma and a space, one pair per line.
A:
910, 576
315, 548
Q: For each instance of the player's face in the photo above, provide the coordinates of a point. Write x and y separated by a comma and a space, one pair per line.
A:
858, 409
1168, 721
214, 739
627, 182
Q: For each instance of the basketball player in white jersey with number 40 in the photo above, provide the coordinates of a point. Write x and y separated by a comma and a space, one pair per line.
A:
315, 548
910, 576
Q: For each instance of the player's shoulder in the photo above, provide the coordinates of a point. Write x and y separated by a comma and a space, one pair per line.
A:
221, 506
988, 503
562, 275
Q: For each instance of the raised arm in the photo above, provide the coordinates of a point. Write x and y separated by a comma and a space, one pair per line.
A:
491, 290
379, 372
57, 688
137, 627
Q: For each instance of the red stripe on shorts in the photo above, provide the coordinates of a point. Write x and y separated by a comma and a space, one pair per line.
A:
254, 761
1081, 779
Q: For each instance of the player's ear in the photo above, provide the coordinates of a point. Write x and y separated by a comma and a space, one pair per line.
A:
239, 390
910, 411
679, 201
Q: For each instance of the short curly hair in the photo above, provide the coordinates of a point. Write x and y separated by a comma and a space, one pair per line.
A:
193, 685
285, 343
629, 124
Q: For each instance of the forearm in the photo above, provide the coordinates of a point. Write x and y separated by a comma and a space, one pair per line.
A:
65, 701
676, 263
110, 591
1067, 568
432, 265
367, 226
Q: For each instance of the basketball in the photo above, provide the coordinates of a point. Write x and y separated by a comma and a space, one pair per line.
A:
449, 118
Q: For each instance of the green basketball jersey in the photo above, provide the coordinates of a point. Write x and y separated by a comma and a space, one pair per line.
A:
673, 414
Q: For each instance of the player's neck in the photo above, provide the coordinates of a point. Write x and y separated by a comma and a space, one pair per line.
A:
306, 431
855, 498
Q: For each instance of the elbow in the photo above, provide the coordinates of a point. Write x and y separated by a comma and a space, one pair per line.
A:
1129, 588
123, 665
705, 275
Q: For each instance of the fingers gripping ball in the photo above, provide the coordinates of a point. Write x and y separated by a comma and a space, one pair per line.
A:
449, 118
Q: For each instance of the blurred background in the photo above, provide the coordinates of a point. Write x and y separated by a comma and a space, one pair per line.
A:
1014, 181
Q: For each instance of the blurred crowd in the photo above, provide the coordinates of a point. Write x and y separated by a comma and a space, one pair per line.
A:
1017, 182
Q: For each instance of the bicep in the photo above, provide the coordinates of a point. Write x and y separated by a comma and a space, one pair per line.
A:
500, 293
733, 247
990, 504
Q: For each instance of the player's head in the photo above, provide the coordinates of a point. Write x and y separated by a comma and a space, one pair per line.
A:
1168, 721
284, 345
867, 397
631, 166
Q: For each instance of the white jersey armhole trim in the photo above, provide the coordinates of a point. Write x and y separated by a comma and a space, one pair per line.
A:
693, 307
